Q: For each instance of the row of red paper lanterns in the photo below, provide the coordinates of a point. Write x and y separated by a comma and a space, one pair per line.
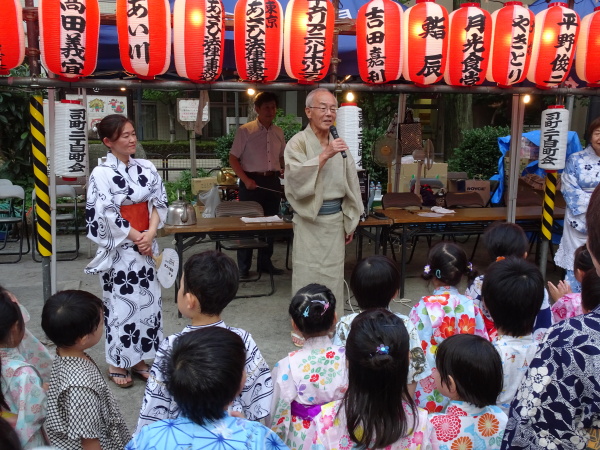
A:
422, 44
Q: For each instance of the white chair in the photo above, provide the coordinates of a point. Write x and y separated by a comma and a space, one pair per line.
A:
13, 223
5, 182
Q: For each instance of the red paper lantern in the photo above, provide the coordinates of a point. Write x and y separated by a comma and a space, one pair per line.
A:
424, 42
12, 36
308, 39
199, 39
69, 33
554, 41
144, 32
512, 40
258, 39
588, 49
469, 41
378, 48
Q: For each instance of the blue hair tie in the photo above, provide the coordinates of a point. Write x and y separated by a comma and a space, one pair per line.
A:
438, 273
305, 313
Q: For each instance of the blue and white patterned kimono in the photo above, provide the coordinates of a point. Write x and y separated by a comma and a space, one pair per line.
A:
579, 179
130, 289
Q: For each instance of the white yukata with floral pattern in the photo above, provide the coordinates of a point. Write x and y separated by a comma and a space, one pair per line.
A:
314, 375
437, 317
332, 433
468, 427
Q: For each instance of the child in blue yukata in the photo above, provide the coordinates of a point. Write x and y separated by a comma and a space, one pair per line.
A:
504, 240
208, 284
513, 291
469, 372
204, 373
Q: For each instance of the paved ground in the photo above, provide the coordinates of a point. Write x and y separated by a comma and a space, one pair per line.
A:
265, 317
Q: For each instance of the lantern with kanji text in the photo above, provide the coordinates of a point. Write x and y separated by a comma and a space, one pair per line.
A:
588, 49
12, 36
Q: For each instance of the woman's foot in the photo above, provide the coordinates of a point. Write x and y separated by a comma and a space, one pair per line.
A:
141, 370
121, 377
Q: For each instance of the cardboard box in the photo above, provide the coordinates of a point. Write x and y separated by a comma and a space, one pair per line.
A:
203, 184
482, 187
409, 171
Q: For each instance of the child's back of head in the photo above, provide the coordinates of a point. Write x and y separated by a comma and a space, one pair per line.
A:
504, 239
590, 291
213, 278
204, 372
377, 355
70, 315
313, 310
374, 282
472, 367
582, 260
12, 328
513, 292
447, 263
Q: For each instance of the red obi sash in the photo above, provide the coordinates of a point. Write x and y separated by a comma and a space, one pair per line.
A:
137, 215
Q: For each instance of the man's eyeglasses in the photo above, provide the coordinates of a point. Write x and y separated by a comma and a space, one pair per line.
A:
323, 109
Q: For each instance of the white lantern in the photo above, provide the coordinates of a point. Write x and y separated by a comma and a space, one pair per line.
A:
70, 139
553, 138
349, 125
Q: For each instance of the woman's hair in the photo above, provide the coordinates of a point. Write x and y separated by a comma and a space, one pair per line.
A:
592, 217
10, 313
377, 356
374, 282
9, 439
313, 309
70, 315
204, 372
505, 239
590, 290
448, 263
111, 126
474, 365
582, 259
593, 126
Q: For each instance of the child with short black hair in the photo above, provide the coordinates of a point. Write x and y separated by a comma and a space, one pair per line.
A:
22, 395
374, 282
566, 302
469, 372
204, 373
513, 291
82, 412
311, 376
505, 240
208, 284
444, 313
377, 410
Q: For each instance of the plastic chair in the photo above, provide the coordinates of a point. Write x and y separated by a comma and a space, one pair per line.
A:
65, 192
5, 182
13, 220
241, 241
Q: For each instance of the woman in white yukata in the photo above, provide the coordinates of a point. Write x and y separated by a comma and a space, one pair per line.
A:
580, 177
126, 204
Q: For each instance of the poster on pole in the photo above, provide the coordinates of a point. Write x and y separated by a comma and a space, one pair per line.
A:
99, 106
187, 112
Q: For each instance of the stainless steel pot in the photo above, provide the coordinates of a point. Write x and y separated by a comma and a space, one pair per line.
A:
181, 212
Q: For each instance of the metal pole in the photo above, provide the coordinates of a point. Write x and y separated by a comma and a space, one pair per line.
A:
401, 113
192, 135
516, 131
50, 148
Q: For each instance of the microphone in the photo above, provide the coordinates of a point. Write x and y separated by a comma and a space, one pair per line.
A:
334, 133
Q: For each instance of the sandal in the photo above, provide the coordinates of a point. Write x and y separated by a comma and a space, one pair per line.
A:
297, 340
113, 375
142, 374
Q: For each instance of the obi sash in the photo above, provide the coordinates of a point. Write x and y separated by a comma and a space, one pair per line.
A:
137, 215
305, 412
330, 207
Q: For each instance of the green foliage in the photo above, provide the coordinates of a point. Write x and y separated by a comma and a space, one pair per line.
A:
223, 146
166, 97
183, 184
370, 135
478, 153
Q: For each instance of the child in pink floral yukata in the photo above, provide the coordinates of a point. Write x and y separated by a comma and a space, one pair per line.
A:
469, 372
377, 410
444, 314
308, 378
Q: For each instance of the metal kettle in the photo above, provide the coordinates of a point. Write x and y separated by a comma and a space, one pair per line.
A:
181, 212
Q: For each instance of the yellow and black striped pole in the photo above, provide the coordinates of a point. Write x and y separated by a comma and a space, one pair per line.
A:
548, 211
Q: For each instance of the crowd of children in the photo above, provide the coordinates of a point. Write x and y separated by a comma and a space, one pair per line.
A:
443, 377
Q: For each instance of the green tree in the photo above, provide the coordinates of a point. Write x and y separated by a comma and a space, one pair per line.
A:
168, 98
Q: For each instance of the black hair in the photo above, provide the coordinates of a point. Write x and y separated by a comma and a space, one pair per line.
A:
70, 315
9, 439
203, 372
513, 292
313, 309
111, 126
377, 356
213, 278
592, 217
582, 259
474, 365
505, 239
10, 314
590, 290
265, 97
593, 126
448, 263
374, 281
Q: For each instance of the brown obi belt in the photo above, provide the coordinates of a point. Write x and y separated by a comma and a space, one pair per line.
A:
137, 215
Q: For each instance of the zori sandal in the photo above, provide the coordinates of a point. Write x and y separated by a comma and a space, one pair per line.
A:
113, 375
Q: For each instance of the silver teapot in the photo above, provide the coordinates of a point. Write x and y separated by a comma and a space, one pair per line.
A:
181, 212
